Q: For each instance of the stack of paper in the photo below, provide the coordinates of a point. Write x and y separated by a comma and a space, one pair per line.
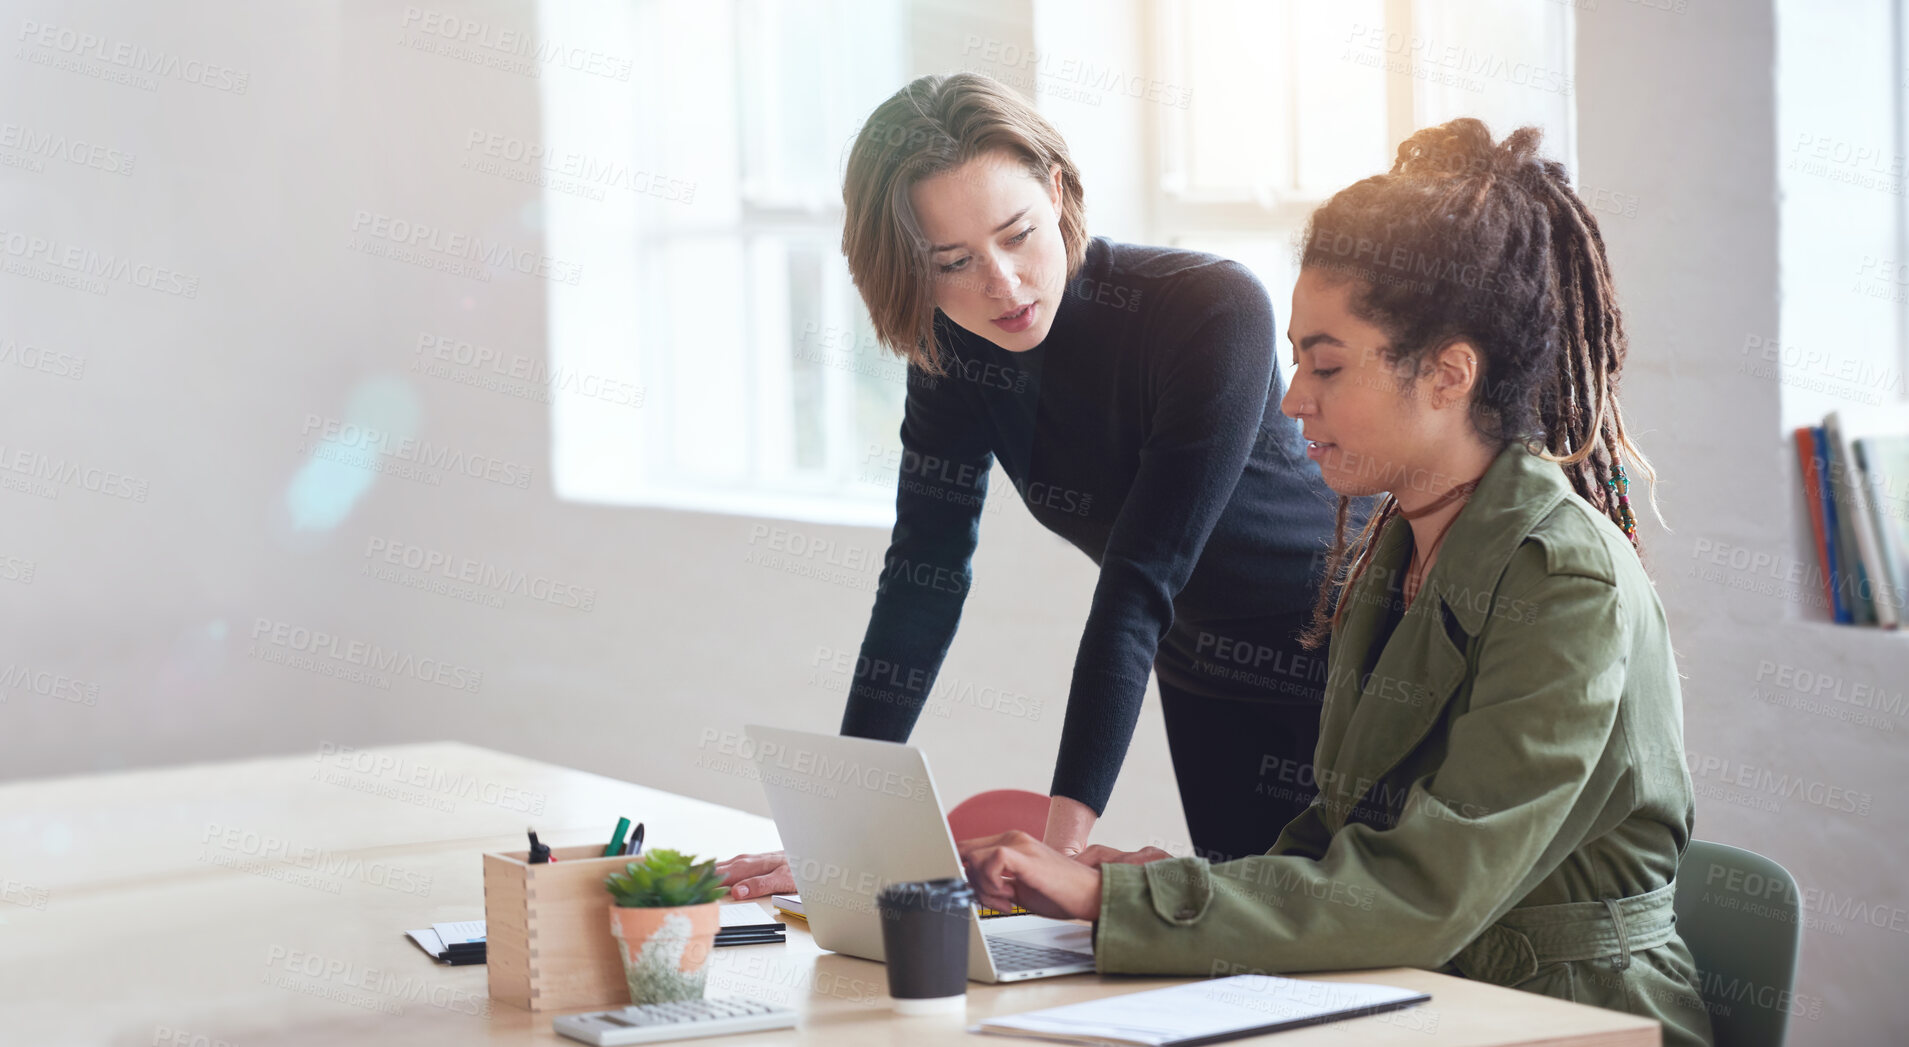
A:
1204, 1011
789, 905
456, 943
744, 923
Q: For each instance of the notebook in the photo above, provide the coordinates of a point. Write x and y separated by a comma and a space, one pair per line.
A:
462, 942
744, 923
738, 916
788, 905
1200, 1012
457, 943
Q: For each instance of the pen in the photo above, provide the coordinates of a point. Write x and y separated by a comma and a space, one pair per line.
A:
539, 852
615, 846
635, 846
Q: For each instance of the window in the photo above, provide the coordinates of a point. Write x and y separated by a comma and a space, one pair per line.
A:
712, 264
1292, 102
1843, 255
713, 277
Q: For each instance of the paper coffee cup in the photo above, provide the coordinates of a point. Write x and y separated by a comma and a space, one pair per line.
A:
925, 944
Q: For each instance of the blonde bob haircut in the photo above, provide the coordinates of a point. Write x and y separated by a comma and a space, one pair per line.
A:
935, 124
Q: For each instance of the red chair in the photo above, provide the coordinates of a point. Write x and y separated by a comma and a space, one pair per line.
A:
997, 811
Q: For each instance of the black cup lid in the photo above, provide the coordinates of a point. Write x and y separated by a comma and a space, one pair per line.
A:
951, 893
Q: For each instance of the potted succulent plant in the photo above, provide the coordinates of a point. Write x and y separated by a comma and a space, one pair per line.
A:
665, 917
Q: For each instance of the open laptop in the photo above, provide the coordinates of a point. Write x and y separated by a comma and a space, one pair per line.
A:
856, 815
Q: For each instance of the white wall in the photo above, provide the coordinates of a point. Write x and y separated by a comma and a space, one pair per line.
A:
152, 604
203, 399
1679, 111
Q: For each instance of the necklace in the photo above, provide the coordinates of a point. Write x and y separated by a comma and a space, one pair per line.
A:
1409, 590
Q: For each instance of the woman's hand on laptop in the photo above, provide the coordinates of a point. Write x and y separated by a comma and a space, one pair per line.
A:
757, 875
1013, 868
1093, 856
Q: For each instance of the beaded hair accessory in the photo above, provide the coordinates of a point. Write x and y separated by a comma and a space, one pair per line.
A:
1620, 486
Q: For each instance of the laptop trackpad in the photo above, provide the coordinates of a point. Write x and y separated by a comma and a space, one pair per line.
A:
1053, 934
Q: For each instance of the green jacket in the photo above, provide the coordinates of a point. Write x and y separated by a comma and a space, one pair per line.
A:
1503, 795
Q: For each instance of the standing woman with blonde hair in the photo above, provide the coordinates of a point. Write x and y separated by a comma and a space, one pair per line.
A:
1503, 793
1130, 394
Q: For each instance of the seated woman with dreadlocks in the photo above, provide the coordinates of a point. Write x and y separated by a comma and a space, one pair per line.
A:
1502, 792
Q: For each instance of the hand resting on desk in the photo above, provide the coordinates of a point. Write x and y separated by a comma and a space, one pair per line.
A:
757, 875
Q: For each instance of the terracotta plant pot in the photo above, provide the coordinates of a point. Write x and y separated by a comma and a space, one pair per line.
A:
665, 951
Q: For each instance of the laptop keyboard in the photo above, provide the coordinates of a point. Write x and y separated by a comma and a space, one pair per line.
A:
1010, 955
988, 914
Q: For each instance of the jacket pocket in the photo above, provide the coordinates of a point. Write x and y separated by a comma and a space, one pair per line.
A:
1559, 980
1180, 889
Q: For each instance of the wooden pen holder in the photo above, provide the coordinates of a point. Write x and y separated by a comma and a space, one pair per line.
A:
549, 945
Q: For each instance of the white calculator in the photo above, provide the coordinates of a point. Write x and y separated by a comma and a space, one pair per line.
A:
682, 1020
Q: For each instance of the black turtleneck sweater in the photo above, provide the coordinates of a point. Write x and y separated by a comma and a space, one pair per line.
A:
1145, 430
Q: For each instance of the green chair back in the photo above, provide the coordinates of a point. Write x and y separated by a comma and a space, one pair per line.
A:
1741, 915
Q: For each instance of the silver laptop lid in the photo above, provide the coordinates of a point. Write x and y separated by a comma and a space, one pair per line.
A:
854, 815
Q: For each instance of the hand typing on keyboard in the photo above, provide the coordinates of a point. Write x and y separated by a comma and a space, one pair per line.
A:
1015, 868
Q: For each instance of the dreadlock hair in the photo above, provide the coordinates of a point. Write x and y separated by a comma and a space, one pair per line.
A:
1486, 243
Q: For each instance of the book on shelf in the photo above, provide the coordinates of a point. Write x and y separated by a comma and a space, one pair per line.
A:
1852, 509
1808, 456
1857, 493
1882, 465
1834, 556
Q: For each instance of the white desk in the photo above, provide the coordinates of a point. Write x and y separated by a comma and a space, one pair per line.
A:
264, 902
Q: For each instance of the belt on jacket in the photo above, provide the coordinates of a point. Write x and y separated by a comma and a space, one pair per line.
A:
1511, 950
